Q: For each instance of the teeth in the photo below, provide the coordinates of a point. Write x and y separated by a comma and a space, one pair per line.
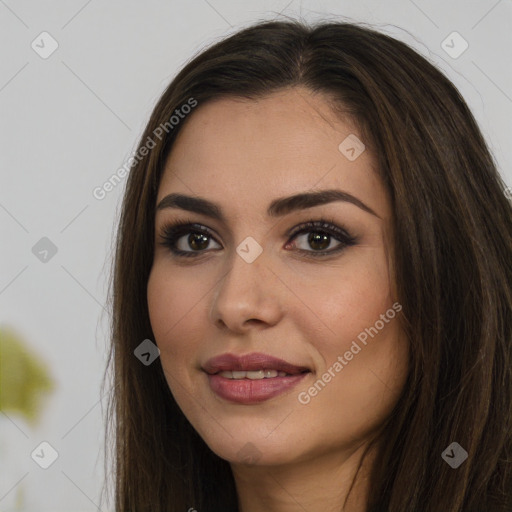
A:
252, 375
259, 374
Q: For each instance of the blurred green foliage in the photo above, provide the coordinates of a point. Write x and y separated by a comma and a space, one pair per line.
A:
24, 378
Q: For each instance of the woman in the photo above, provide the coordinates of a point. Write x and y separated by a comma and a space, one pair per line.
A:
316, 238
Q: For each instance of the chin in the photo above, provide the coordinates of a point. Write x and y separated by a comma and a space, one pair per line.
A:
256, 452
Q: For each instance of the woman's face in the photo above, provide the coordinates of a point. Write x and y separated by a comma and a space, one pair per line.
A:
255, 287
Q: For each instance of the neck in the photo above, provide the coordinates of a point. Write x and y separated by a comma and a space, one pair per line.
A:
331, 482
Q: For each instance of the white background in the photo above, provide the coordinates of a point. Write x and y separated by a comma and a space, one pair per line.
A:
70, 121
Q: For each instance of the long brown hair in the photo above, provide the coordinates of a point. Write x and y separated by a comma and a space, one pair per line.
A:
453, 250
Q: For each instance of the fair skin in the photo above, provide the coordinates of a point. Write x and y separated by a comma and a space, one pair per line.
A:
242, 154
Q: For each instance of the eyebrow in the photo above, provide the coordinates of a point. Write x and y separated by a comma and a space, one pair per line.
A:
277, 208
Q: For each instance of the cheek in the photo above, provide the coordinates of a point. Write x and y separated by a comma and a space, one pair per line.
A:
360, 324
336, 310
172, 314
356, 318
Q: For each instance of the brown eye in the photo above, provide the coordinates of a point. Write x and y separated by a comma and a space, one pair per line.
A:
319, 240
198, 241
187, 239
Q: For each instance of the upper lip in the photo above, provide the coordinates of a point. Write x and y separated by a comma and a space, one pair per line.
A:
249, 362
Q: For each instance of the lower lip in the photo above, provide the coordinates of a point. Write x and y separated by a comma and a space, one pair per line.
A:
247, 391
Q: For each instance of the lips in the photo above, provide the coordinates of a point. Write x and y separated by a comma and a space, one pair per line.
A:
249, 363
252, 378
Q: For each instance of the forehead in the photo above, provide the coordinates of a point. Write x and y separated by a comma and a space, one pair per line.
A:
238, 151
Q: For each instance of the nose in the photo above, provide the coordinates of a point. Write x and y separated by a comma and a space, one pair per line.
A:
246, 295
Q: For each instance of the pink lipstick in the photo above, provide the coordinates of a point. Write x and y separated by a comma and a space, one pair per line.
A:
252, 378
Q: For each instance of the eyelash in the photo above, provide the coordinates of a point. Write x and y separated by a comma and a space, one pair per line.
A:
173, 231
